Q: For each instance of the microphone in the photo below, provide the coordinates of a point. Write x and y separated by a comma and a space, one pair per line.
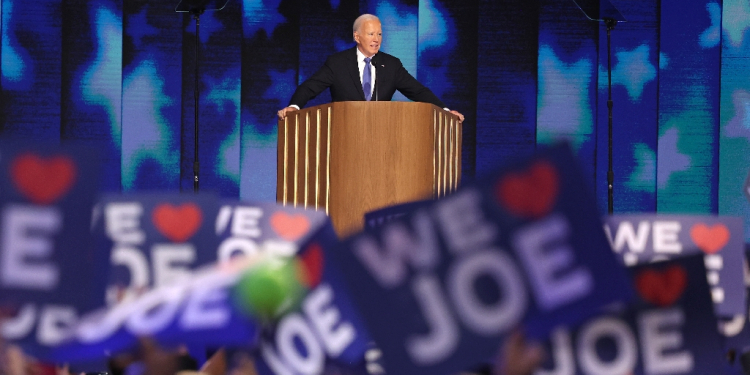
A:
374, 62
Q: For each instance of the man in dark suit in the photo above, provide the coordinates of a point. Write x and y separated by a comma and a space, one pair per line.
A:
363, 73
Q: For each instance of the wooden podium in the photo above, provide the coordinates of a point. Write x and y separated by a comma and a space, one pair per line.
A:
350, 158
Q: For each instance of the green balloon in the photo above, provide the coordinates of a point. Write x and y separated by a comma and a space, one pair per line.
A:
269, 289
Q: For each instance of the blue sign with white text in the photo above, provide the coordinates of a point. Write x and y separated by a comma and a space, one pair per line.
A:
155, 239
253, 228
200, 310
49, 272
643, 238
441, 288
670, 329
326, 330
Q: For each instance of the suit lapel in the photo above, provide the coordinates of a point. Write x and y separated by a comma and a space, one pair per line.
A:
354, 73
380, 77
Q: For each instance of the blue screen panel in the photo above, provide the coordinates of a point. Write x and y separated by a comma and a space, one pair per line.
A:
689, 74
567, 71
151, 96
30, 66
734, 151
92, 82
506, 82
447, 59
270, 60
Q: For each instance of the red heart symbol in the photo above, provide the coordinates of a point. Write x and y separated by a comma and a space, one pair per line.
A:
289, 227
530, 194
710, 240
311, 262
177, 223
43, 181
661, 288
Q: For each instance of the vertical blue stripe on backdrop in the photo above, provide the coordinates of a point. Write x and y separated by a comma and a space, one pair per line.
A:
31, 67
506, 84
437, 42
735, 117
689, 79
92, 81
151, 96
270, 57
325, 28
219, 66
635, 53
3, 32
567, 72
447, 63
400, 30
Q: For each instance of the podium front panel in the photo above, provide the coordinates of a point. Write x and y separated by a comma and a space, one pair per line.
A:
349, 158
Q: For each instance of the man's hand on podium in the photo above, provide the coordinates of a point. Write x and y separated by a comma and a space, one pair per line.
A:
282, 113
460, 116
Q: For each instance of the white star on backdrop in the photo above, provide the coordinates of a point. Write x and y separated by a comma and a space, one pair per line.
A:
106, 67
739, 125
670, 160
712, 35
563, 97
643, 174
736, 20
633, 70
143, 92
261, 14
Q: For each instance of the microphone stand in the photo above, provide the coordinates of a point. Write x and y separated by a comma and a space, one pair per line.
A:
610, 23
196, 164
196, 8
603, 10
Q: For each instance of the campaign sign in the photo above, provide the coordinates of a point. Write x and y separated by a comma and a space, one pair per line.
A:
326, 330
440, 288
248, 228
644, 238
670, 329
736, 331
197, 311
49, 274
155, 239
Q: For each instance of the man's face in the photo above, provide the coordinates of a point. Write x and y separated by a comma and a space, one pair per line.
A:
368, 37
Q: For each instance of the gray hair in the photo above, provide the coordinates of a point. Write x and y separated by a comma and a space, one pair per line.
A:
362, 19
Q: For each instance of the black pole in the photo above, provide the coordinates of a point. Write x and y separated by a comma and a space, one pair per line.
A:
196, 165
610, 172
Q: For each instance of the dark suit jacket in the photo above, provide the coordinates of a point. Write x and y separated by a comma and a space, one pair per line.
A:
341, 73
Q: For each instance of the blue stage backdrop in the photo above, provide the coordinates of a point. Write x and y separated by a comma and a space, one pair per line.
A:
120, 76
